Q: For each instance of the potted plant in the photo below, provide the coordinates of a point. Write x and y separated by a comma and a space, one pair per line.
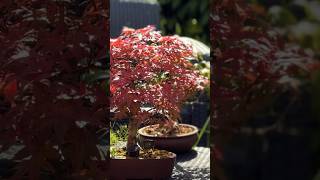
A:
150, 78
181, 137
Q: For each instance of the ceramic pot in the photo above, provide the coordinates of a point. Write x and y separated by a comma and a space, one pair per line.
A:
134, 168
181, 143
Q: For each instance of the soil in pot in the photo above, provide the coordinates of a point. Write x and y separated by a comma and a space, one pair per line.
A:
151, 164
144, 154
177, 140
162, 131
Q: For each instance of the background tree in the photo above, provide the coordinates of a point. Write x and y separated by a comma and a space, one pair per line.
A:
53, 95
185, 18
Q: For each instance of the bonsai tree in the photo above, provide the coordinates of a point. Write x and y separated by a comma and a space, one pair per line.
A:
150, 77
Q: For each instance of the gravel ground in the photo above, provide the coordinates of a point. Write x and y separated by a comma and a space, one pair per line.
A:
194, 165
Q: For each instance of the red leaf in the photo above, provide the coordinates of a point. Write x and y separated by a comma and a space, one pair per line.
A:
10, 90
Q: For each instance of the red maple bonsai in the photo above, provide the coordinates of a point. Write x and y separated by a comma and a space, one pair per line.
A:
149, 70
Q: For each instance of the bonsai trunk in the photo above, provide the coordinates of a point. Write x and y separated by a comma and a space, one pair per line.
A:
132, 147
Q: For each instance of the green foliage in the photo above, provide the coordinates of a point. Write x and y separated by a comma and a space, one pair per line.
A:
282, 17
205, 128
118, 138
113, 138
185, 18
203, 66
118, 134
298, 21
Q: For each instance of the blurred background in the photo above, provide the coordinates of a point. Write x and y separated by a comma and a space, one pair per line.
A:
279, 137
185, 18
296, 20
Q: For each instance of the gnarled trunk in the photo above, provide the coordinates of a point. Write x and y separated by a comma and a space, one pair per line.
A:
132, 147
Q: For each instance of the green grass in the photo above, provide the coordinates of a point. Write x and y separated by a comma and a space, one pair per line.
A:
118, 134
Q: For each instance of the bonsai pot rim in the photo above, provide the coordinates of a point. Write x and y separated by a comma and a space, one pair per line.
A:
171, 156
141, 132
142, 168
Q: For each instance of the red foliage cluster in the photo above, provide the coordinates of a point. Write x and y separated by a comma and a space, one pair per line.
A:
52, 85
150, 70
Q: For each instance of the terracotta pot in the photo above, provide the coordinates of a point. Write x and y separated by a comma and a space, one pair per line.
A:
134, 168
177, 144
